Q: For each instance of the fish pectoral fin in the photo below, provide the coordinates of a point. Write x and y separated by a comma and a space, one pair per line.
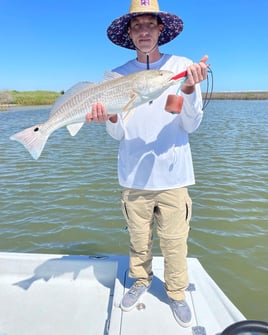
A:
74, 128
127, 114
130, 103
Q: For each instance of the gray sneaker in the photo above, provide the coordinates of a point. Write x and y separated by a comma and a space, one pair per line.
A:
131, 298
181, 312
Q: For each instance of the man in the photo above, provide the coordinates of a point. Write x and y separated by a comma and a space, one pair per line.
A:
154, 161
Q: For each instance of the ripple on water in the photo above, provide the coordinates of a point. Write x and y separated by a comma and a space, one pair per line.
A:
69, 200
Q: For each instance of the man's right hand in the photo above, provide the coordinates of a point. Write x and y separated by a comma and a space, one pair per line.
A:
98, 114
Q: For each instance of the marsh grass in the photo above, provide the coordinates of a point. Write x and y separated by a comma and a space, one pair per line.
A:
246, 95
34, 98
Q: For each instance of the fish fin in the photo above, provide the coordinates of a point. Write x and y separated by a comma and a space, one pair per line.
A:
127, 114
109, 75
74, 128
33, 139
70, 93
130, 103
26, 283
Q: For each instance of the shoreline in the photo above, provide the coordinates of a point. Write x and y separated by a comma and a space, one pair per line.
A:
10, 99
243, 95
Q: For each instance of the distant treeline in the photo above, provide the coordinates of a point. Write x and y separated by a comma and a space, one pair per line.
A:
35, 98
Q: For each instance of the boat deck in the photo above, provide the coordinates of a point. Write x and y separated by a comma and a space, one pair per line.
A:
80, 295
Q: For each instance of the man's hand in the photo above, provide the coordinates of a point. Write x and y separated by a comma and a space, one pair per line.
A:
98, 114
196, 73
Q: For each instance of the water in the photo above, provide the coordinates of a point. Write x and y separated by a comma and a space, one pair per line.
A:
69, 200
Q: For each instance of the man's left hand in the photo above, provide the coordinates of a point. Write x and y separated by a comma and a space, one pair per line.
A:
196, 73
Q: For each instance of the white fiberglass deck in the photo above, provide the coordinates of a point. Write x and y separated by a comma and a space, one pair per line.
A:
80, 295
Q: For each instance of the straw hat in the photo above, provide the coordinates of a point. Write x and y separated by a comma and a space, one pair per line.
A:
118, 30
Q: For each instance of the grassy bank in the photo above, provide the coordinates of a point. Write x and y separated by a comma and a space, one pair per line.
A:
250, 95
35, 98
28, 98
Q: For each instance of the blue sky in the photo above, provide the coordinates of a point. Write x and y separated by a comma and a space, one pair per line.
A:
53, 44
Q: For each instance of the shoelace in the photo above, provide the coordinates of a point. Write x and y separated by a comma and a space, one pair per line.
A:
180, 303
133, 290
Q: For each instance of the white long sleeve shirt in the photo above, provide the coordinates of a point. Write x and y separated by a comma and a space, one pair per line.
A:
154, 150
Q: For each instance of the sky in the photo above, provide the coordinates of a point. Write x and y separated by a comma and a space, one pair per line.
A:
53, 44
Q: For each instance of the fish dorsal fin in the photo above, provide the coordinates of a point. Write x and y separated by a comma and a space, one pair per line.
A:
71, 92
74, 128
109, 75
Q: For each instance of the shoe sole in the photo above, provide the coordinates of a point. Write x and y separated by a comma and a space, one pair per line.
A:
128, 309
181, 323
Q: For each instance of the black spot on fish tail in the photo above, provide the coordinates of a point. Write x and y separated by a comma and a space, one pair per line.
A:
36, 129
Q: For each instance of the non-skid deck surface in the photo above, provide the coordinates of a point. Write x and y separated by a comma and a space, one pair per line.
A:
80, 295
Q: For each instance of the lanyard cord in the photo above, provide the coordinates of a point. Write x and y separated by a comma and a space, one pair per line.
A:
147, 62
148, 55
209, 88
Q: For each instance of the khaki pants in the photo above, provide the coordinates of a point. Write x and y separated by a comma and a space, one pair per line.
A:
171, 210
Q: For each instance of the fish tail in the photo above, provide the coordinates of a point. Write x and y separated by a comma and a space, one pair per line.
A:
33, 139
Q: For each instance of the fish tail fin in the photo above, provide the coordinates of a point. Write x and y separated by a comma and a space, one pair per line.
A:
33, 139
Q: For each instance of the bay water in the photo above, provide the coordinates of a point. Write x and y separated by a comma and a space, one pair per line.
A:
68, 201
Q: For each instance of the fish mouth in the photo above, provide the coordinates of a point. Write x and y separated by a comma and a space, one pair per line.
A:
179, 76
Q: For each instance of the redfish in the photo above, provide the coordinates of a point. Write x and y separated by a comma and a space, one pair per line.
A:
118, 94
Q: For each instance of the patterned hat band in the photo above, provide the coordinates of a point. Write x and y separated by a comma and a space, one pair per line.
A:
117, 32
